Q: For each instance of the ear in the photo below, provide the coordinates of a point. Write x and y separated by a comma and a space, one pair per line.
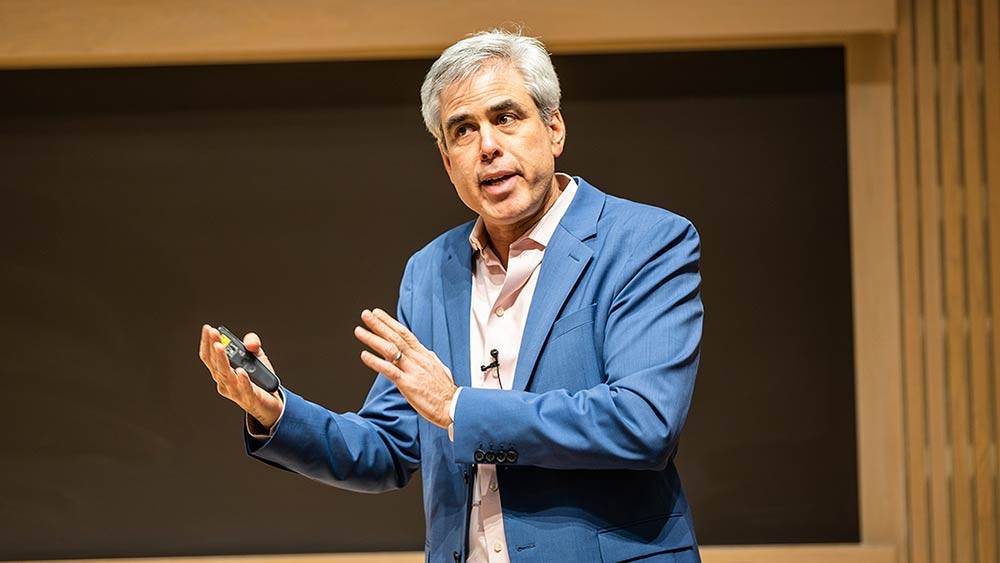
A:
445, 159
557, 132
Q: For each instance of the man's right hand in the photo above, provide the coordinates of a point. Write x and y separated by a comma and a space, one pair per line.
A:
235, 385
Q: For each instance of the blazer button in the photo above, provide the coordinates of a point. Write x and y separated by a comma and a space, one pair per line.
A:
455, 556
501, 457
490, 456
479, 456
512, 455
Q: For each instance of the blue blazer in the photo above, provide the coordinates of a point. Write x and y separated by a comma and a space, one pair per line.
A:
584, 442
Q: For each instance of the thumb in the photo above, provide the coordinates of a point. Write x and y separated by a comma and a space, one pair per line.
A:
252, 342
254, 346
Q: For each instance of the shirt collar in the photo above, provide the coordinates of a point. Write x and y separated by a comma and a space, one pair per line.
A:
543, 230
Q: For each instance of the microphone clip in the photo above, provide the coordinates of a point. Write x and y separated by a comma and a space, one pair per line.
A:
495, 354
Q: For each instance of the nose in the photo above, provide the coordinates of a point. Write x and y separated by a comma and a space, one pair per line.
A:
489, 146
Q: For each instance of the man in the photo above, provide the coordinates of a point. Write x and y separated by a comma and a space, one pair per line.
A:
542, 398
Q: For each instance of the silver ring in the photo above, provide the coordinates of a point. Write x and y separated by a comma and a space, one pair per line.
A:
399, 355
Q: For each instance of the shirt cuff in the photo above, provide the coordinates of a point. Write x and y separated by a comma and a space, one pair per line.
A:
451, 412
256, 430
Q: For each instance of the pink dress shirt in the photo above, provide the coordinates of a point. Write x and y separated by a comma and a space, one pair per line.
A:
500, 302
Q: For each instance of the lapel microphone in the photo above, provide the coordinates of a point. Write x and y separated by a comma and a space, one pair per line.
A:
494, 364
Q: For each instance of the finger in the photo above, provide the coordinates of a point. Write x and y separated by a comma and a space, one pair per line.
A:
224, 389
375, 342
384, 367
253, 345
413, 349
246, 394
212, 371
209, 356
221, 363
243, 383
218, 380
383, 330
400, 329
203, 345
214, 337
252, 342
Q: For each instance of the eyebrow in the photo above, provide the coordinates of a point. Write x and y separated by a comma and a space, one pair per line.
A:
455, 120
505, 105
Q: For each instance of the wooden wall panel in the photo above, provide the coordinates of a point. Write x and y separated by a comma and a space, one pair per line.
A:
947, 77
970, 104
875, 282
917, 484
990, 88
953, 263
929, 190
46, 33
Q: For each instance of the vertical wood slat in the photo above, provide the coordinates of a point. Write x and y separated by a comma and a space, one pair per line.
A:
948, 107
918, 516
962, 537
991, 92
930, 239
983, 432
976, 282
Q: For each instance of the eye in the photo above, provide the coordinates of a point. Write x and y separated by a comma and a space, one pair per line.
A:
506, 119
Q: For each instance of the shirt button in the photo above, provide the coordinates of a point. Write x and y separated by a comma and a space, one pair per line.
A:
500, 311
493, 486
497, 547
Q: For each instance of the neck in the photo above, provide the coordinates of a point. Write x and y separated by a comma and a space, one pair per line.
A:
502, 236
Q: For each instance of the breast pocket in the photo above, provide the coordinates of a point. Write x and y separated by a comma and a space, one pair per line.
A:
572, 320
569, 359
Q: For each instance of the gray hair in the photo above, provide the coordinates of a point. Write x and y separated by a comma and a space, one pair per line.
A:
468, 56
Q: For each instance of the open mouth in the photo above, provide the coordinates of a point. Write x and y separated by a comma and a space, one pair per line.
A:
496, 181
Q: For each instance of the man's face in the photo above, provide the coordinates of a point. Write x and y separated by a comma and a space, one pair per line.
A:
498, 152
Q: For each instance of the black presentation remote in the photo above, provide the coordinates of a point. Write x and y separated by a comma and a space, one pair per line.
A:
240, 357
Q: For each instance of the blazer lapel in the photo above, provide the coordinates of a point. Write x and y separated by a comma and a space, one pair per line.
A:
457, 286
564, 261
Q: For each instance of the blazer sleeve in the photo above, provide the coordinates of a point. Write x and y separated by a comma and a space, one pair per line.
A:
651, 350
374, 450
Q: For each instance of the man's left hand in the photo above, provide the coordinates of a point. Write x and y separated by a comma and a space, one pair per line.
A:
424, 381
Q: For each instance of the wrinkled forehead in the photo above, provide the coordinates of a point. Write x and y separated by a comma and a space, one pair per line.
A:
492, 81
